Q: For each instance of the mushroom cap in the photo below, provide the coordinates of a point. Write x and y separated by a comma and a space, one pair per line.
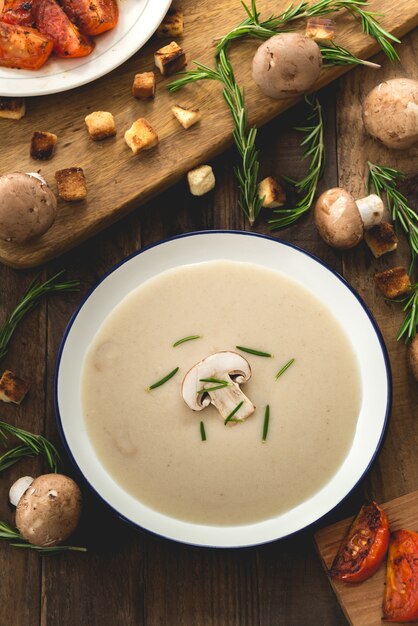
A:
338, 219
390, 113
27, 207
413, 357
49, 510
287, 65
221, 365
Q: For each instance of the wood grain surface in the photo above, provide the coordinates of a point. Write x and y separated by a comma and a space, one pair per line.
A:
362, 603
133, 578
117, 180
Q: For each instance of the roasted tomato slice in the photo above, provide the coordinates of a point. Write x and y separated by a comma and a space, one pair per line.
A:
92, 16
400, 602
23, 47
51, 20
17, 12
364, 547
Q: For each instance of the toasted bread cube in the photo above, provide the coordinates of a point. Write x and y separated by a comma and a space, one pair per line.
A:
186, 117
12, 108
42, 145
273, 193
141, 136
12, 388
394, 282
172, 24
144, 86
201, 180
381, 239
71, 184
100, 124
170, 59
320, 28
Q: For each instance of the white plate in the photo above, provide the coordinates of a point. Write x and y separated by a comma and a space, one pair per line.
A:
332, 290
138, 20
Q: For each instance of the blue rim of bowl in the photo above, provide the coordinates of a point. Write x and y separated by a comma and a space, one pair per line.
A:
223, 232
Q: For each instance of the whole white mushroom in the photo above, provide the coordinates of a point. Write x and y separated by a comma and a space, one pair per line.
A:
287, 65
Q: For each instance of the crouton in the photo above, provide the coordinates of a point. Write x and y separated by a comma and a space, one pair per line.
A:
12, 108
141, 136
172, 24
170, 59
381, 239
186, 117
12, 388
273, 193
42, 145
394, 282
201, 180
71, 184
144, 86
100, 124
320, 28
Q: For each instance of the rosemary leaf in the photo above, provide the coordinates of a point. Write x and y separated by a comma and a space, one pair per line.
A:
163, 380
266, 423
32, 445
214, 380
190, 338
202, 431
284, 368
233, 412
255, 352
207, 389
11, 534
30, 300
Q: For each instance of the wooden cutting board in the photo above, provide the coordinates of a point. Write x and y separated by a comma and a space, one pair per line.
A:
362, 603
118, 181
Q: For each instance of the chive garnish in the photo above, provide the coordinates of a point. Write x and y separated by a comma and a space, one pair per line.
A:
266, 423
202, 431
284, 368
189, 338
164, 380
232, 413
214, 380
207, 389
252, 351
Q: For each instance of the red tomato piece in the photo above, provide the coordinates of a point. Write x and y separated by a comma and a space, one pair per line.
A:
364, 547
23, 47
92, 16
17, 12
51, 20
400, 602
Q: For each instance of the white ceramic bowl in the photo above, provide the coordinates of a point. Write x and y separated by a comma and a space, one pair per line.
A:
138, 19
332, 290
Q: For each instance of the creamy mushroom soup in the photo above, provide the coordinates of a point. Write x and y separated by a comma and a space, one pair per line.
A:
151, 442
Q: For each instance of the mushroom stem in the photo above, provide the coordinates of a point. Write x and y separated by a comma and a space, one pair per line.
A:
227, 399
371, 210
18, 489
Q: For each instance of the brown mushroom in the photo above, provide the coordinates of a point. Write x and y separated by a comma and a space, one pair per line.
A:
341, 220
48, 508
413, 357
287, 65
27, 207
390, 113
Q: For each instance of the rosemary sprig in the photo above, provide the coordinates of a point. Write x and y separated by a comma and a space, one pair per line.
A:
202, 431
9, 533
314, 149
233, 412
31, 298
337, 55
266, 423
384, 181
163, 380
255, 352
190, 338
32, 445
284, 368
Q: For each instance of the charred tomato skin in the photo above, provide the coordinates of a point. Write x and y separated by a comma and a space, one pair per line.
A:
18, 12
23, 47
92, 17
51, 20
400, 602
364, 547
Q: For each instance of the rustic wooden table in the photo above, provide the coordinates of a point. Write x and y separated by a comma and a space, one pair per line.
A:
130, 577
